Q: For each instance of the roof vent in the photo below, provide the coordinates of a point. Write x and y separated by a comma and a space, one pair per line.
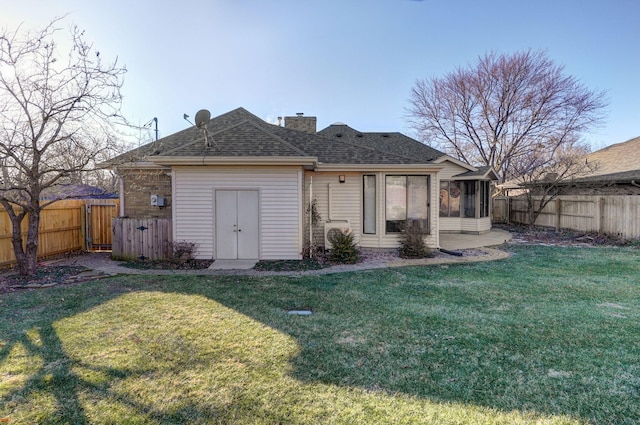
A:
339, 135
385, 135
299, 114
359, 135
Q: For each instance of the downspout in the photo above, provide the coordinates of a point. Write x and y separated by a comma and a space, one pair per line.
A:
634, 183
121, 196
330, 194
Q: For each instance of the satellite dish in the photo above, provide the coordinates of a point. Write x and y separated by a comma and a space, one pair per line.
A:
202, 118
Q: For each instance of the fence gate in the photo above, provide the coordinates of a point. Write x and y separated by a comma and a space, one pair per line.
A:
99, 218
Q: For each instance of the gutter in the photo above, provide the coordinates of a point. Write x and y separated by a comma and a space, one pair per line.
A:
378, 167
634, 183
235, 160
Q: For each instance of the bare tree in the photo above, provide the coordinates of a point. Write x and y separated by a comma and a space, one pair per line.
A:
546, 175
58, 112
503, 110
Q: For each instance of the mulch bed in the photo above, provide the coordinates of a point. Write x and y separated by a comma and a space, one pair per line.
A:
46, 277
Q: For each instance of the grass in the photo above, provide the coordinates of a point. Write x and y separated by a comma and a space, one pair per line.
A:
548, 336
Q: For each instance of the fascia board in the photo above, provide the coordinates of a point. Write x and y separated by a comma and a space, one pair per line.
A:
379, 167
141, 165
239, 160
455, 161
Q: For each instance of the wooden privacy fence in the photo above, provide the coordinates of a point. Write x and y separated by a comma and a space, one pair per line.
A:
147, 239
61, 230
617, 215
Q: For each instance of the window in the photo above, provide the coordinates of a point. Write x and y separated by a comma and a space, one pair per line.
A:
485, 197
449, 199
470, 199
407, 198
369, 204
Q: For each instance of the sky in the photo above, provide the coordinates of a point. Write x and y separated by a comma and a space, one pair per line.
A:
351, 61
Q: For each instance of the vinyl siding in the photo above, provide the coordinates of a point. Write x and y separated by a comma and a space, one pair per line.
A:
279, 203
465, 225
345, 201
346, 204
450, 170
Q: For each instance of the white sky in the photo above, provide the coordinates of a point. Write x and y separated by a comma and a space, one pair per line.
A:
353, 61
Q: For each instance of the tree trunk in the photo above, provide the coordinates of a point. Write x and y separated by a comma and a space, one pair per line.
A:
30, 265
26, 254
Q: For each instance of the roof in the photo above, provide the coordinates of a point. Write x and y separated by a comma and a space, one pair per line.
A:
401, 144
240, 134
76, 191
617, 158
617, 163
485, 172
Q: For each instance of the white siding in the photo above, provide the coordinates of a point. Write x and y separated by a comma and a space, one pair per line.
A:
465, 225
279, 200
346, 204
450, 170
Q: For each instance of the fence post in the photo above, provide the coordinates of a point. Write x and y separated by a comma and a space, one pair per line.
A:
600, 214
558, 213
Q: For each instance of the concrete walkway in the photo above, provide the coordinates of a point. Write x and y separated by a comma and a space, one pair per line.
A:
101, 263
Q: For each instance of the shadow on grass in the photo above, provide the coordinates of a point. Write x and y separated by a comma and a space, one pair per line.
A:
54, 390
465, 335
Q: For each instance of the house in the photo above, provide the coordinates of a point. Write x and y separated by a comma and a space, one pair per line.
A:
242, 188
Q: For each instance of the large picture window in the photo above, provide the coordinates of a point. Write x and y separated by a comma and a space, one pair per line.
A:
450, 196
406, 198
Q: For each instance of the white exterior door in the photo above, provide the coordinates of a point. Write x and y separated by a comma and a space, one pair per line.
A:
237, 231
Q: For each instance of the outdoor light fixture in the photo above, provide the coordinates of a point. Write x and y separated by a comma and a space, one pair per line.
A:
341, 178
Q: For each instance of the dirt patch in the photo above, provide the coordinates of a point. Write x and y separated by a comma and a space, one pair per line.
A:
526, 235
46, 277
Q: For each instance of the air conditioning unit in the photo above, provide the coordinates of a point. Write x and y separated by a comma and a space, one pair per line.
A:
340, 226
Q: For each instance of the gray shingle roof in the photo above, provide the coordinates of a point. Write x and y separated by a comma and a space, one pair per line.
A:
239, 133
616, 159
398, 143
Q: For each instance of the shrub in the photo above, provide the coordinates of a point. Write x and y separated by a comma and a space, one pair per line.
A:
412, 240
183, 250
344, 249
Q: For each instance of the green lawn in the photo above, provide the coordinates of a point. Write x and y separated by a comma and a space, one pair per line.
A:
549, 336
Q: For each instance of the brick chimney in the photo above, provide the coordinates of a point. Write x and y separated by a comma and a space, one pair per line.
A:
301, 123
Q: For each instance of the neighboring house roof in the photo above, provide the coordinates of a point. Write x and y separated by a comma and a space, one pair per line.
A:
616, 163
77, 191
240, 134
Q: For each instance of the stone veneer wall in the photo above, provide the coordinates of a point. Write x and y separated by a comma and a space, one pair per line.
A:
139, 185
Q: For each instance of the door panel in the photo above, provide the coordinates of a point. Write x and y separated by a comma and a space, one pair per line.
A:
236, 224
248, 224
226, 225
